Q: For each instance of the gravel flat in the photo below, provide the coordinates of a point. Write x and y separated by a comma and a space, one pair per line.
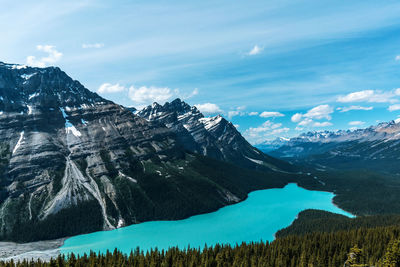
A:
44, 250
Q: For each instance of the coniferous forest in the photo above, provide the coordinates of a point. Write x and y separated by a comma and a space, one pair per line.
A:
379, 246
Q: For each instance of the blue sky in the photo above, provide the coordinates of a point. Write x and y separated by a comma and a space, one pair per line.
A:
303, 65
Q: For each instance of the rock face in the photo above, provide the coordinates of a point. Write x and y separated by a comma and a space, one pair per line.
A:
214, 137
72, 162
376, 148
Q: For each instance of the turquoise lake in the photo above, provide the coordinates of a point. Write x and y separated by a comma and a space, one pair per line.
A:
257, 218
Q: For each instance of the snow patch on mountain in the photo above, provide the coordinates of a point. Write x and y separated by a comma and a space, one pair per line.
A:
255, 160
69, 127
27, 76
21, 137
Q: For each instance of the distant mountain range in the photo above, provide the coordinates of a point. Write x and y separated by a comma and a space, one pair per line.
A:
73, 162
376, 148
271, 145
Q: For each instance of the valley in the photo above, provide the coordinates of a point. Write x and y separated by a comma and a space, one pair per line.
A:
74, 163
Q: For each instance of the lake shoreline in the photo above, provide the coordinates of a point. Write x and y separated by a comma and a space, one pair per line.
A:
179, 233
44, 250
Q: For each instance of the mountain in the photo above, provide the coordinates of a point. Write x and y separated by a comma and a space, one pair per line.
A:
376, 148
271, 145
73, 162
213, 137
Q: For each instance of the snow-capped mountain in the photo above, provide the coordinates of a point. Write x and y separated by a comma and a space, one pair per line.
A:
77, 162
214, 137
376, 147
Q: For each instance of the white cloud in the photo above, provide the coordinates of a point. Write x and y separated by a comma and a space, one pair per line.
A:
233, 113
259, 134
322, 124
110, 88
95, 45
271, 114
192, 94
146, 95
208, 108
376, 96
239, 111
356, 96
297, 117
394, 107
397, 58
255, 51
346, 109
185, 96
319, 112
305, 122
279, 131
356, 123
236, 126
52, 57
397, 91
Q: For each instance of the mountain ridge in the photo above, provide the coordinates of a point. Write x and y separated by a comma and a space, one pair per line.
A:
375, 147
210, 136
73, 162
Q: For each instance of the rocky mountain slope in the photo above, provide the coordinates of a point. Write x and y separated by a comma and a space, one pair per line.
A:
376, 148
214, 137
72, 162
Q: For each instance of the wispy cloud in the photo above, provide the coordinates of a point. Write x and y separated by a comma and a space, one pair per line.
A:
305, 122
373, 96
271, 114
320, 112
255, 50
356, 123
187, 95
296, 117
233, 113
265, 131
394, 107
145, 95
322, 124
397, 58
238, 111
95, 45
52, 57
346, 109
107, 88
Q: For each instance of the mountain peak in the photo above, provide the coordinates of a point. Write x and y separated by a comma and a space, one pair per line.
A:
22, 87
210, 136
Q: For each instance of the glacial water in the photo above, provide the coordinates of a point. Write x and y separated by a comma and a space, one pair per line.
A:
257, 218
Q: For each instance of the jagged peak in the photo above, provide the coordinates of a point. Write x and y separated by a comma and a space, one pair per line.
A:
177, 105
16, 66
25, 84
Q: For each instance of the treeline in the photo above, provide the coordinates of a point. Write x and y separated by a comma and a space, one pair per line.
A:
309, 221
363, 247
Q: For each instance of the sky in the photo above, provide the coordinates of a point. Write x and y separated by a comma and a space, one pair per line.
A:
274, 68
